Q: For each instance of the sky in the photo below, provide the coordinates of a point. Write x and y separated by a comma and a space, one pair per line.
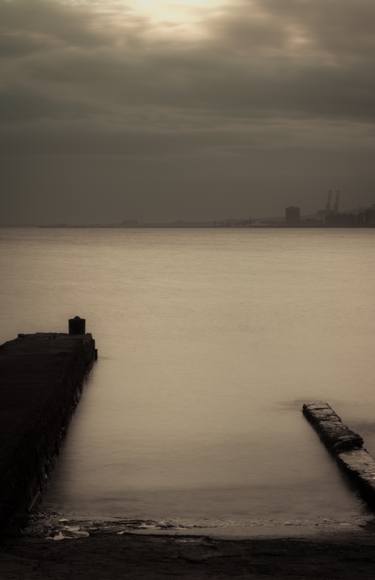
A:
184, 109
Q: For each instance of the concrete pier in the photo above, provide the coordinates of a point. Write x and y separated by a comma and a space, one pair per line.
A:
41, 377
346, 446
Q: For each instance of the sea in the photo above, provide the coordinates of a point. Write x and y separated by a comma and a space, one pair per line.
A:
210, 341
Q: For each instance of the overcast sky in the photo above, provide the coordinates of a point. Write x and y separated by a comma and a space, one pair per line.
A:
184, 109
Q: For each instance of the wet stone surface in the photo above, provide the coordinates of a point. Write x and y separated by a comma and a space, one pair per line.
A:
335, 434
346, 446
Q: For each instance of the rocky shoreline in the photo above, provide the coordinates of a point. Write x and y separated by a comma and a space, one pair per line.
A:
157, 557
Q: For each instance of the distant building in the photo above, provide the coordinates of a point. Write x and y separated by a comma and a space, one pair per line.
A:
293, 216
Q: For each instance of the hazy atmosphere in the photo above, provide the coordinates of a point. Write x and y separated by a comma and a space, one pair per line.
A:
187, 222
189, 109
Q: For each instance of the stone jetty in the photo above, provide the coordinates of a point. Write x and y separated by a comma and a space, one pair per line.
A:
346, 446
41, 377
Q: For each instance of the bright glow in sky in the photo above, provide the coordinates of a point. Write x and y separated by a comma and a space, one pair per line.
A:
184, 13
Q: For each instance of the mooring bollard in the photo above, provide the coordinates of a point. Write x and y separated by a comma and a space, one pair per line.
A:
77, 325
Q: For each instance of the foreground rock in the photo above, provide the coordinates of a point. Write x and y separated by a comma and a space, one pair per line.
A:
336, 436
346, 446
41, 377
140, 557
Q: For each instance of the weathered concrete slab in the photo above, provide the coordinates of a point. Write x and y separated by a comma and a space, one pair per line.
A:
346, 446
360, 467
336, 435
41, 376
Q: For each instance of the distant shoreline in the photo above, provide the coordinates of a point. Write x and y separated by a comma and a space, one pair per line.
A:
190, 226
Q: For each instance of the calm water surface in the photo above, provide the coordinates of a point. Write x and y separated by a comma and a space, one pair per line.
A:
209, 341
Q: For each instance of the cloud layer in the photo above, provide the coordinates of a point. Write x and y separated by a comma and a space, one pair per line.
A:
262, 103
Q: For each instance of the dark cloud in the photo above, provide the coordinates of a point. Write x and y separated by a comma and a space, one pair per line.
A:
262, 78
52, 21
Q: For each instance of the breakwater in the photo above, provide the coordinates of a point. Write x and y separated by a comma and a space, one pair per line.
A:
41, 377
346, 446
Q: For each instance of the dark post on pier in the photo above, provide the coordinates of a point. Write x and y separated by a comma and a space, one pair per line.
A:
41, 378
77, 325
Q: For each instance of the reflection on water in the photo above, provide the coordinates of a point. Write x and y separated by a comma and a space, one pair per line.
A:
209, 341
